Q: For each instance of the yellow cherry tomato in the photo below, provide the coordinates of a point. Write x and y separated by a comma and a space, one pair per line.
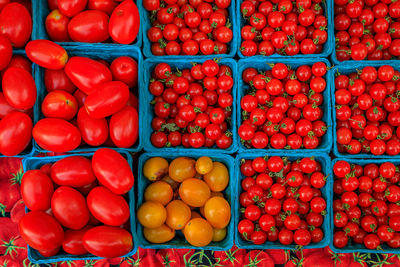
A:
219, 234
178, 214
182, 168
159, 235
218, 178
198, 232
171, 182
204, 165
217, 212
194, 192
151, 214
155, 168
159, 191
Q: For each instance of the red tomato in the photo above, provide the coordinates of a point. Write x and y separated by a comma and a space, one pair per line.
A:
75, 171
3, 3
80, 97
16, 24
36, 190
5, 51
112, 170
57, 26
59, 104
94, 131
72, 243
19, 61
19, 88
107, 99
41, 231
107, 207
71, 7
124, 127
56, 135
47, 54
90, 26
69, 207
106, 6
125, 69
86, 73
124, 22
15, 126
108, 241
6, 108
58, 80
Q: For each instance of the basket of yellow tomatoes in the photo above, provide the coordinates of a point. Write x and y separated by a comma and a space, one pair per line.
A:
184, 201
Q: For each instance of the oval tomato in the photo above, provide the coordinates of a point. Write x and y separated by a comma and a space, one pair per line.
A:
16, 24
75, 171
80, 97
124, 127
94, 131
6, 108
125, 69
6, 51
59, 104
19, 88
71, 7
107, 207
112, 170
86, 73
57, 26
15, 126
106, 6
69, 207
124, 22
90, 26
58, 80
107, 241
41, 231
19, 61
47, 54
107, 99
72, 243
56, 135
36, 190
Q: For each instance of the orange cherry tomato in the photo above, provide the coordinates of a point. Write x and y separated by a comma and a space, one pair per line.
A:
198, 232
194, 192
178, 214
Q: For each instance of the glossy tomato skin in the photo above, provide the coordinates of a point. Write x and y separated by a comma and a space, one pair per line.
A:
56, 135
15, 126
59, 104
6, 108
70, 208
16, 24
107, 99
75, 171
47, 54
72, 242
124, 127
112, 170
107, 207
90, 26
36, 190
125, 69
86, 73
57, 26
19, 61
124, 22
107, 241
71, 8
41, 231
19, 88
94, 131
58, 80
6, 51
106, 6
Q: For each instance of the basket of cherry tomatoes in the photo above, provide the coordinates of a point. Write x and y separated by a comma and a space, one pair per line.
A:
185, 200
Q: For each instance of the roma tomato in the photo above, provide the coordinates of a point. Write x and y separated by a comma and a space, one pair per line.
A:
107, 99
107, 207
112, 170
75, 171
15, 126
86, 73
59, 104
19, 88
58, 80
69, 207
41, 231
36, 190
90, 26
108, 241
124, 22
47, 54
124, 127
106, 6
57, 26
6, 51
56, 135
72, 242
6, 108
94, 131
71, 7
125, 69
16, 24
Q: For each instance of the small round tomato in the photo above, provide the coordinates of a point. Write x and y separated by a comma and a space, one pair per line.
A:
178, 214
218, 178
182, 168
59, 104
217, 211
125, 69
194, 192
151, 214
198, 232
158, 191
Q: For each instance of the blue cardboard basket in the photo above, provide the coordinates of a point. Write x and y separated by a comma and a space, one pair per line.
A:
326, 193
30, 150
261, 63
179, 240
33, 163
108, 54
347, 68
350, 248
233, 45
328, 46
149, 65
40, 10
